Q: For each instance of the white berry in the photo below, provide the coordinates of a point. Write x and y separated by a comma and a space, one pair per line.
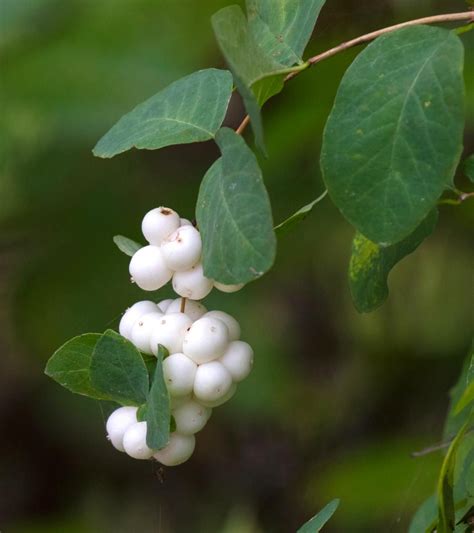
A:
182, 249
178, 401
169, 332
132, 314
134, 441
177, 451
206, 339
191, 417
148, 269
220, 401
193, 309
118, 423
179, 373
185, 222
159, 223
143, 329
192, 283
212, 382
238, 359
232, 325
227, 288
164, 304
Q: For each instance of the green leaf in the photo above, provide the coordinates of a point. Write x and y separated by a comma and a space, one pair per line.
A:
371, 264
189, 110
456, 418
234, 215
469, 167
249, 63
425, 518
126, 245
118, 370
466, 399
158, 407
283, 27
320, 520
70, 366
297, 217
446, 506
394, 136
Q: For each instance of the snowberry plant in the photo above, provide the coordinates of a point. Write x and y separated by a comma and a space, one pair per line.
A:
390, 152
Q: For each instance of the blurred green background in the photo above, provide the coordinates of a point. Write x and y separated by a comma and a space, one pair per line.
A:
337, 400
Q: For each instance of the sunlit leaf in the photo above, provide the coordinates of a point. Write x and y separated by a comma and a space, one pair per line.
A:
371, 264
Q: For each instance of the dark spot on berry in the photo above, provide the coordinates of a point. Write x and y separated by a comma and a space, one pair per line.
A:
165, 211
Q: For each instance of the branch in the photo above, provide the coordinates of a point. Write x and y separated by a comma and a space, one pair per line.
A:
436, 447
368, 37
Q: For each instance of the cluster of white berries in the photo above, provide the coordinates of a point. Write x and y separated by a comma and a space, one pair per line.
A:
206, 361
206, 358
174, 252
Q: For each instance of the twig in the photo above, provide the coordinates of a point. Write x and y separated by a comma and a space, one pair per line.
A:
463, 196
436, 447
183, 305
448, 17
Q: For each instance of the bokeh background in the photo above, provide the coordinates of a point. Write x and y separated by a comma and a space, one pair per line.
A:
337, 400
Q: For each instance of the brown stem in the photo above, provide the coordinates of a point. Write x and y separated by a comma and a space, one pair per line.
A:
448, 17
436, 447
183, 305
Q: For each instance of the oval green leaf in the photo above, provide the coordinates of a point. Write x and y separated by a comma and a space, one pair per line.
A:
189, 110
118, 370
126, 245
321, 519
234, 215
283, 27
299, 216
394, 137
158, 407
70, 366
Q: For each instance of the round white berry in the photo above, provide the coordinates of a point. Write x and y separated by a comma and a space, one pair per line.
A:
134, 441
227, 288
185, 222
191, 417
192, 283
132, 314
164, 304
159, 223
232, 325
118, 423
177, 451
238, 359
193, 309
182, 249
206, 339
212, 381
220, 401
178, 401
148, 269
143, 329
179, 372
169, 332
